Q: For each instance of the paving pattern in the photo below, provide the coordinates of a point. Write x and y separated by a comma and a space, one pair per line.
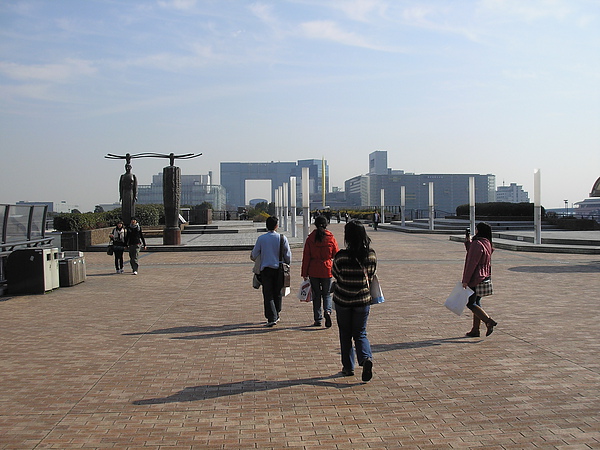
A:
177, 358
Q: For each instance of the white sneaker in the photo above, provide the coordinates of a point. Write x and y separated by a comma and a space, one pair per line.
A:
135, 272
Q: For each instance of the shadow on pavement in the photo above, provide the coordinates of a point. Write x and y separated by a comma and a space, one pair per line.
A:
377, 348
563, 268
210, 391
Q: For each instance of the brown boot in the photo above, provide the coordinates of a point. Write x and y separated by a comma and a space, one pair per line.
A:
489, 322
475, 330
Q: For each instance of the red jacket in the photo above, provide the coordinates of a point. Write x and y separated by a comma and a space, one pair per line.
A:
317, 257
478, 263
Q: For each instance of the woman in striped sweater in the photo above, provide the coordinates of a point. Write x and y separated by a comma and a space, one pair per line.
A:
353, 269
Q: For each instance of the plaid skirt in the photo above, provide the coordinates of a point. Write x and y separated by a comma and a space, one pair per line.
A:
484, 288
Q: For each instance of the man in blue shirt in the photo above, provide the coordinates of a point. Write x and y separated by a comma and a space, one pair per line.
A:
267, 247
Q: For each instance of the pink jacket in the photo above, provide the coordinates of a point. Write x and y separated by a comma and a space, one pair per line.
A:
317, 257
478, 263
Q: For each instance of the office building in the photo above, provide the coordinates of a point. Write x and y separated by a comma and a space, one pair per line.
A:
512, 193
450, 190
239, 179
195, 190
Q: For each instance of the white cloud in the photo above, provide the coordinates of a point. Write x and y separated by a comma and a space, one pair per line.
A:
330, 31
360, 10
181, 5
529, 10
57, 73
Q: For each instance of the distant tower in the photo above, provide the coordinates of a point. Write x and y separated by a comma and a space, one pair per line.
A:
378, 163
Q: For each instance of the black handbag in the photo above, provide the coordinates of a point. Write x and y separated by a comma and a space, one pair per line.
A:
284, 268
110, 249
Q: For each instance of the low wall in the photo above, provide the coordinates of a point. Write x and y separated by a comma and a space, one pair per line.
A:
81, 240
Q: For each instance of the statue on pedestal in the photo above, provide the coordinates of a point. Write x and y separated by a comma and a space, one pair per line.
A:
171, 192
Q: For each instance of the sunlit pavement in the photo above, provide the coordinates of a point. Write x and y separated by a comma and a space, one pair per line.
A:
177, 357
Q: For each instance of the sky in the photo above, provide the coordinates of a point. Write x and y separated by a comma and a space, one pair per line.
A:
444, 86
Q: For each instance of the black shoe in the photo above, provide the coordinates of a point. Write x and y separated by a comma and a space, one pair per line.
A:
490, 327
328, 320
347, 372
270, 324
367, 372
316, 324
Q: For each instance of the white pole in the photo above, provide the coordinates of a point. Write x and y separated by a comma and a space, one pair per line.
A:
305, 202
293, 204
431, 207
382, 206
537, 205
472, 204
285, 206
277, 204
402, 204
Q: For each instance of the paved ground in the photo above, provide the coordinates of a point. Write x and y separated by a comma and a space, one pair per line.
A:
176, 358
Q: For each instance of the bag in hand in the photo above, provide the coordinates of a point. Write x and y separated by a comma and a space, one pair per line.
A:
305, 292
458, 298
284, 271
110, 249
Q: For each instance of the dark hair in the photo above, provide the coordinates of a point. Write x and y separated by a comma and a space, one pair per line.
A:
484, 230
356, 239
271, 223
321, 224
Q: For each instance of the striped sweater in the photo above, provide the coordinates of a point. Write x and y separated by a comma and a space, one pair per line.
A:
351, 288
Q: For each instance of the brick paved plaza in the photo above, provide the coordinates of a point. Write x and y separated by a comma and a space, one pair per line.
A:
177, 358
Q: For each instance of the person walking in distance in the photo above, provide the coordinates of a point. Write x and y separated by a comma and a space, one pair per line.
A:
317, 259
353, 268
117, 236
268, 248
134, 240
478, 268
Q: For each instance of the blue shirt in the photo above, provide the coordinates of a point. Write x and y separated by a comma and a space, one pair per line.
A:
267, 247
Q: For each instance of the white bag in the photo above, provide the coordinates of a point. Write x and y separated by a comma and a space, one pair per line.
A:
376, 292
458, 299
305, 292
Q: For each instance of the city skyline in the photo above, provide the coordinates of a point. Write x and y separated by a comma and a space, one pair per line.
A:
482, 86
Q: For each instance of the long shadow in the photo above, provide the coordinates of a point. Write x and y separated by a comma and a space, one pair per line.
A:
377, 348
563, 268
198, 329
210, 391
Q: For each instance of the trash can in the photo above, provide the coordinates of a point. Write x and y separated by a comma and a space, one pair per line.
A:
71, 271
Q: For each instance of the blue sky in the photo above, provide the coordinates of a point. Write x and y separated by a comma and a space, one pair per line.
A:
489, 86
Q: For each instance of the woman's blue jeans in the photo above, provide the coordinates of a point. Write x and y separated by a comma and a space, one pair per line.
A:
352, 323
320, 290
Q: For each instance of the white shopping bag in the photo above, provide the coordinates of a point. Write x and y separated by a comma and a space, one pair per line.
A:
305, 292
458, 299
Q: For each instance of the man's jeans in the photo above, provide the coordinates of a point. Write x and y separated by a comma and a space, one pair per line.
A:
352, 322
271, 293
320, 289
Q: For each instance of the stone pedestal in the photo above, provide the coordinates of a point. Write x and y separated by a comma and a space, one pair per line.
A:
172, 236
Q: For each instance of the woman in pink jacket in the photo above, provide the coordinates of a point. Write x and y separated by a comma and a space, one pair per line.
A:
319, 249
478, 267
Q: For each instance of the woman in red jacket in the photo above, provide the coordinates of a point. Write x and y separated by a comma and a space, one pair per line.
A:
478, 267
319, 249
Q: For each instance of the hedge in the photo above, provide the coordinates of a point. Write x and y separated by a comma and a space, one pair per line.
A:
499, 209
147, 215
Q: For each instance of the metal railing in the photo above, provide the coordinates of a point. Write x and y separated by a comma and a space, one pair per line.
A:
22, 226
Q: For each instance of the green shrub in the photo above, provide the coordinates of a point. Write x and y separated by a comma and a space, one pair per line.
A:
148, 215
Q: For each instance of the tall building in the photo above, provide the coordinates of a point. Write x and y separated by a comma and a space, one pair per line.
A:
378, 163
512, 193
450, 190
236, 178
195, 190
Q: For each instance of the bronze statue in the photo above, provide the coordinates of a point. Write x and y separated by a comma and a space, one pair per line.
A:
127, 194
171, 192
